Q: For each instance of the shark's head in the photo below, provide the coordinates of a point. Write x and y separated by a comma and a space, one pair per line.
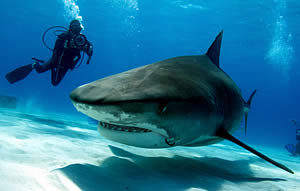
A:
178, 101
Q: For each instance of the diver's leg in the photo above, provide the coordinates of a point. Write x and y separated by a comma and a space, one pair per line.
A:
57, 74
40, 68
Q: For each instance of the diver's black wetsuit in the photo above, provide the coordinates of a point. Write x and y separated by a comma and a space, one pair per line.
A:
295, 150
64, 57
298, 148
298, 140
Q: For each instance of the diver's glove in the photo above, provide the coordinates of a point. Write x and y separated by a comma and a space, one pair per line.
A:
88, 61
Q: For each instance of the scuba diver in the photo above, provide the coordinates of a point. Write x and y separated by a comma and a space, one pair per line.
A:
295, 150
65, 56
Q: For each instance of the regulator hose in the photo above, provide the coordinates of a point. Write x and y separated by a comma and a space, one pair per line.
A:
55, 32
47, 30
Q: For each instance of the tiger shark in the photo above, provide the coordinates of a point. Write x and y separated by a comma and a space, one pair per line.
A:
181, 101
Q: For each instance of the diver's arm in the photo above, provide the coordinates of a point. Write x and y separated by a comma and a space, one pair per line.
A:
77, 57
88, 49
59, 47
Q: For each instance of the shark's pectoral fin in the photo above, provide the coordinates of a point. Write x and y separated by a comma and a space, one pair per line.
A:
214, 50
224, 134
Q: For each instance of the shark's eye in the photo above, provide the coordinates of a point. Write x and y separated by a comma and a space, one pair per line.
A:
162, 107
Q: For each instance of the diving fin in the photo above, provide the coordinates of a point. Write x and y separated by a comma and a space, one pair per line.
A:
19, 73
291, 148
224, 134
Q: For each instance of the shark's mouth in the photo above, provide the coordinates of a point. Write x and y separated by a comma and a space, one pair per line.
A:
123, 128
135, 135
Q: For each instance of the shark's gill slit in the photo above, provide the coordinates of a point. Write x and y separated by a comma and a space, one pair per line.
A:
162, 107
124, 128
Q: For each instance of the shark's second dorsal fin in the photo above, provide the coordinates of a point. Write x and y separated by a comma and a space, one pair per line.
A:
214, 50
247, 106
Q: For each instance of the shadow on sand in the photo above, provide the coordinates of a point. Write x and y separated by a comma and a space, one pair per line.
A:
50, 126
127, 171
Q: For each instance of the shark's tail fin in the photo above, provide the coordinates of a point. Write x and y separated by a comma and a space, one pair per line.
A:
247, 106
224, 134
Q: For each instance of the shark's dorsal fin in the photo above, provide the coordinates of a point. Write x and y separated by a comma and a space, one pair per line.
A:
214, 50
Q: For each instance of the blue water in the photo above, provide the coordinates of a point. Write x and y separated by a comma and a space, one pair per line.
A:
259, 50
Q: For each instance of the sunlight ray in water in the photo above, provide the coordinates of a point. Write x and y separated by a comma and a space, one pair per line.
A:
281, 50
129, 10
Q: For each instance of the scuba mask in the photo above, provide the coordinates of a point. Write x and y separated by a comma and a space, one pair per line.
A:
75, 27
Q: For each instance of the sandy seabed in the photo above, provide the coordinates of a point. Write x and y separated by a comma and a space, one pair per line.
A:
46, 153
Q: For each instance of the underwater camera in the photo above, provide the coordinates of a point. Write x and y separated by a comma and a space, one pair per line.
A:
79, 41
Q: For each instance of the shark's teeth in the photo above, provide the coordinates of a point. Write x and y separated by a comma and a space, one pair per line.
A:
124, 128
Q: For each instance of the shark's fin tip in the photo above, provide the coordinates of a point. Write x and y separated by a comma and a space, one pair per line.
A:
214, 50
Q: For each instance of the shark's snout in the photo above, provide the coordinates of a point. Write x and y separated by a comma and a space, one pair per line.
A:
89, 94
125, 121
